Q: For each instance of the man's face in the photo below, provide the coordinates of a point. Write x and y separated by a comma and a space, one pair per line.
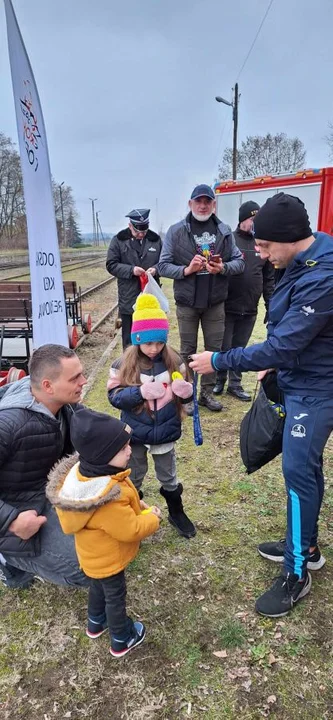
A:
202, 207
247, 225
137, 234
67, 388
279, 254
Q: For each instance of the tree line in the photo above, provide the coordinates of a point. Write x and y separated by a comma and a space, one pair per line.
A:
268, 155
13, 225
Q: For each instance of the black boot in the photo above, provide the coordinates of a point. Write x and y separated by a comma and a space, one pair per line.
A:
209, 402
219, 385
177, 517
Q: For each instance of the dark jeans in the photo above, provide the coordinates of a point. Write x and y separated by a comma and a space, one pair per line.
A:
212, 325
126, 325
237, 333
57, 561
107, 596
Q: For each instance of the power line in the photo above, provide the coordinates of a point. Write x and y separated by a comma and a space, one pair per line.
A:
239, 73
255, 39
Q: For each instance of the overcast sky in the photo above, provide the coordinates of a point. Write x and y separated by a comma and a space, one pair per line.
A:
127, 90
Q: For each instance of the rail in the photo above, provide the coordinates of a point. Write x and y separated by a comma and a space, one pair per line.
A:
99, 322
64, 269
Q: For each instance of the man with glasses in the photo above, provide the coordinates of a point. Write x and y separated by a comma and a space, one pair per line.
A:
132, 254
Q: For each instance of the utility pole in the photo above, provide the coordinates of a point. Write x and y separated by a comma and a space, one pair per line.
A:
93, 200
64, 239
97, 228
234, 105
234, 144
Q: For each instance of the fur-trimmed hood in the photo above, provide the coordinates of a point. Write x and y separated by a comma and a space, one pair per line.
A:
68, 490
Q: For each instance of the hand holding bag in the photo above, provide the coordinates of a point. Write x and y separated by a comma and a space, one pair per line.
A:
152, 288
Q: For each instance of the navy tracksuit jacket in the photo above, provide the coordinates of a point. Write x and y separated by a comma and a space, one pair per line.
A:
300, 345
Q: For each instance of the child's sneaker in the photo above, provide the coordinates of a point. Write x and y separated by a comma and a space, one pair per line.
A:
119, 648
95, 629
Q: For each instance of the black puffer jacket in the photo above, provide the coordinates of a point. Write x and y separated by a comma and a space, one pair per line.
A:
178, 250
124, 254
245, 290
32, 440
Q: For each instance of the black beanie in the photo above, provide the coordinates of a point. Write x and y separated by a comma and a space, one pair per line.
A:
283, 218
248, 210
97, 437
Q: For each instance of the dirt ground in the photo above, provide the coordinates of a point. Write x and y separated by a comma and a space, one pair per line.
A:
207, 654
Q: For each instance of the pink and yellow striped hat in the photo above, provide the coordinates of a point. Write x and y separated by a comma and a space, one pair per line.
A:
150, 323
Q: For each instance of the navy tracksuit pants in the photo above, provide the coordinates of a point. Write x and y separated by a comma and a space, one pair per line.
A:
309, 422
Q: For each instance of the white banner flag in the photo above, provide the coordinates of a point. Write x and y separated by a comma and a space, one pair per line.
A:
48, 305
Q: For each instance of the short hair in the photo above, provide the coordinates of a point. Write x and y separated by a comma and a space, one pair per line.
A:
46, 360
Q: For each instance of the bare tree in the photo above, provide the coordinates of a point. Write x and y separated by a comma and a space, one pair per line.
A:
11, 189
264, 155
13, 226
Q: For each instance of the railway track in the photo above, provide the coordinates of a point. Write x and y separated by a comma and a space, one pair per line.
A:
99, 286
69, 259
108, 315
64, 269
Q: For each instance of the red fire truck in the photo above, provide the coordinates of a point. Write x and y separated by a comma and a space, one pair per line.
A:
313, 187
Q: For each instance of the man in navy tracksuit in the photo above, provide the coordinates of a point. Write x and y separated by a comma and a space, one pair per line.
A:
300, 346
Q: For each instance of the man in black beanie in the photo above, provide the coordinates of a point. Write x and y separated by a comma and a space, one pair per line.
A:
244, 292
299, 346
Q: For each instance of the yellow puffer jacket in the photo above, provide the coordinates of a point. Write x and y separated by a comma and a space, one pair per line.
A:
102, 513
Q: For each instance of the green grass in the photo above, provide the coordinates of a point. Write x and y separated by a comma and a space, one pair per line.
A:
196, 598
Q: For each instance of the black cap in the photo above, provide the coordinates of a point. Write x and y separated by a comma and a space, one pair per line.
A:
139, 218
283, 218
97, 437
203, 191
248, 210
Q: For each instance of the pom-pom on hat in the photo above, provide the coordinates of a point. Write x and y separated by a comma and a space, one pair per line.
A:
150, 323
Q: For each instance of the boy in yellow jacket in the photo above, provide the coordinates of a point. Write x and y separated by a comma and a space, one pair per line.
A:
97, 503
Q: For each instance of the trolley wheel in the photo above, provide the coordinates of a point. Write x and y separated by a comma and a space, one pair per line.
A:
73, 336
15, 374
118, 323
86, 323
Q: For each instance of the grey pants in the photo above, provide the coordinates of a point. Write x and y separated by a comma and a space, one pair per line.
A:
238, 330
57, 561
165, 467
212, 325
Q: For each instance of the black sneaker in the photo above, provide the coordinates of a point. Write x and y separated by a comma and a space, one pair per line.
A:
285, 592
119, 648
14, 578
275, 551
